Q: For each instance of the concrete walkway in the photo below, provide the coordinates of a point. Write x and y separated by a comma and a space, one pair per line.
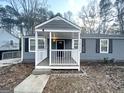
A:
32, 84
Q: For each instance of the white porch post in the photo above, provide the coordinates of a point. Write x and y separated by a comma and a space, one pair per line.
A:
50, 48
22, 47
36, 48
79, 50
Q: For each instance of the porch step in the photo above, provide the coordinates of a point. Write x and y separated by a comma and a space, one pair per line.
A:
41, 71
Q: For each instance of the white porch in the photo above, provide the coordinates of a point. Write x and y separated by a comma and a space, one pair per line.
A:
57, 55
57, 58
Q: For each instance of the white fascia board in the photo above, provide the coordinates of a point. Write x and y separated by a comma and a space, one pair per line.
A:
103, 37
62, 30
40, 30
45, 23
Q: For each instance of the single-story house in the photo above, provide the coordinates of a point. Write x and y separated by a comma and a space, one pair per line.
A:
59, 44
8, 43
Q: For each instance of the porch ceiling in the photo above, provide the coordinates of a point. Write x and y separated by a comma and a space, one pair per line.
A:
60, 35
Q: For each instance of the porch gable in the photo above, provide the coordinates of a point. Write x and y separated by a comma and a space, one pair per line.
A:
57, 23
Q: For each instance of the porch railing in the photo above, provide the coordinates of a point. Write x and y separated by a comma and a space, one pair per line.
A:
41, 55
64, 57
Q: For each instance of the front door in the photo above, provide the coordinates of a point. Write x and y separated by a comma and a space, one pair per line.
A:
60, 46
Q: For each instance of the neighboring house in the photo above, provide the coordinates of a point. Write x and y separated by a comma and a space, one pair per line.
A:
8, 43
59, 44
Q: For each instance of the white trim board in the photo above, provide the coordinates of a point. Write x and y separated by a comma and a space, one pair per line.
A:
106, 37
29, 40
48, 30
22, 48
107, 46
57, 67
73, 43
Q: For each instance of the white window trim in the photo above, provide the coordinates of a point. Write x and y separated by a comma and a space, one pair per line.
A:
107, 46
73, 43
30, 45
35, 41
44, 43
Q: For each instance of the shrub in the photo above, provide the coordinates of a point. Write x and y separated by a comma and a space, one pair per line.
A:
112, 60
106, 60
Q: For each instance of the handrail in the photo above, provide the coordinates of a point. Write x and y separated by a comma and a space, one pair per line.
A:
64, 49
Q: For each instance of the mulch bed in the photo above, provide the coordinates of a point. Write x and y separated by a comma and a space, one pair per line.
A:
98, 78
11, 76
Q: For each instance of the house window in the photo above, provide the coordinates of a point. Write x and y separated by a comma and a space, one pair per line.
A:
31, 44
41, 44
75, 44
104, 45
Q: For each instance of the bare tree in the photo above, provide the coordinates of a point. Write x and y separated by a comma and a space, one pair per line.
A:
68, 15
106, 15
31, 12
119, 4
90, 17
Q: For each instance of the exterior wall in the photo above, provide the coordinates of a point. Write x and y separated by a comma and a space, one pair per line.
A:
28, 57
5, 42
117, 53
68, 44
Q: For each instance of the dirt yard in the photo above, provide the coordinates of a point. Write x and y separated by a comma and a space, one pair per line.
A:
12, 75
97, 78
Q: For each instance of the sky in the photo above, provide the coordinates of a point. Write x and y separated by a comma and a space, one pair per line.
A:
66, 5
63, 6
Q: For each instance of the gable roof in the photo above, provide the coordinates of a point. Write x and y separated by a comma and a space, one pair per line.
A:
58, 23
1, 29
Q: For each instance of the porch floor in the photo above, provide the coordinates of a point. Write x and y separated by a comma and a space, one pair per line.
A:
45, 62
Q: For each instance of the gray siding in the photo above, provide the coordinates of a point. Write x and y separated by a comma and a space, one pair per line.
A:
28, 56
58, 24
68, 44
117, 54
